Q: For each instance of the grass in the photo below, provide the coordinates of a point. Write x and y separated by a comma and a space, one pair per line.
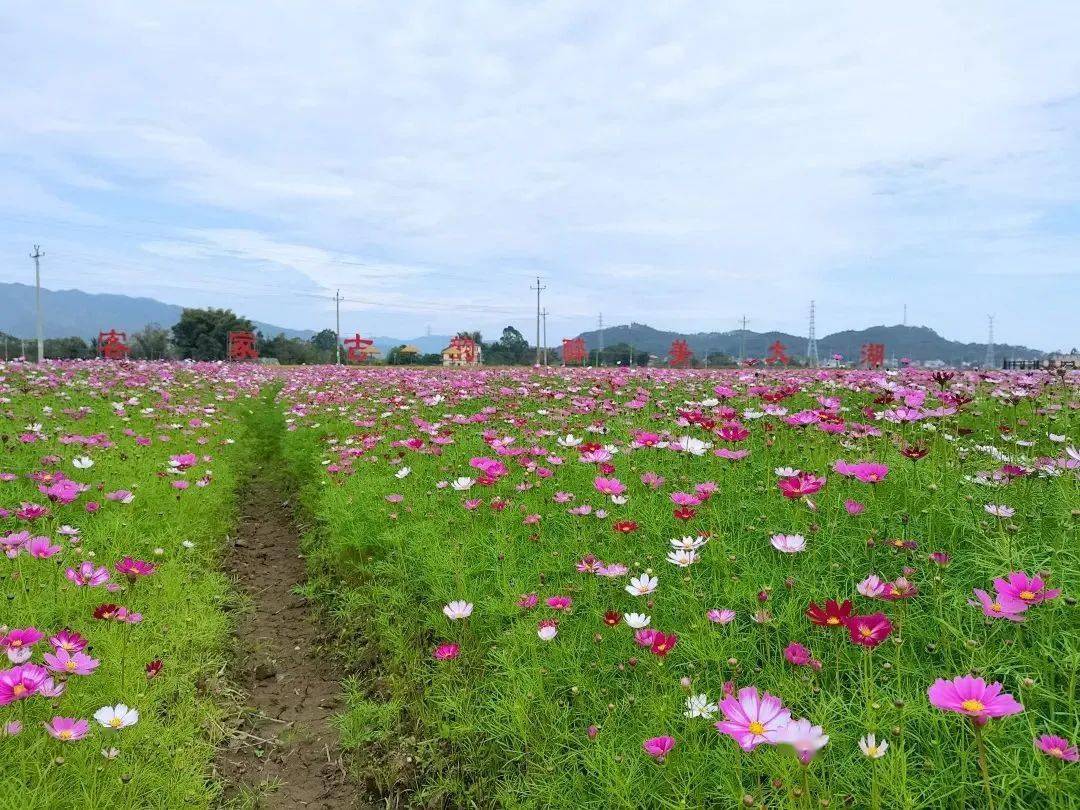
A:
505, 722
163, 760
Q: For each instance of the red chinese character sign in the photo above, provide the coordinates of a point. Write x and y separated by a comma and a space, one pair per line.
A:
241, 346
679, 354
573, 351
466, 348
873, 355
111, 345
778, 354
359, 348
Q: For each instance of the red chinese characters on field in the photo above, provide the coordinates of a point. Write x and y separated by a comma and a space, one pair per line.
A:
777, 354
241, 346
872, 355
466, 347
359, 348
680, 354
573, 350
112, 346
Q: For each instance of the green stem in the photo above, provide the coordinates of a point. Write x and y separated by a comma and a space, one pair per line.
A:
982, 764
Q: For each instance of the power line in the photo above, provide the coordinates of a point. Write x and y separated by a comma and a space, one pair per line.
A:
545, 314
600, 351
742, 341
989, 363
811, 342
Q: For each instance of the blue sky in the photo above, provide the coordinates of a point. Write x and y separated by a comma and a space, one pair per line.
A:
678, 164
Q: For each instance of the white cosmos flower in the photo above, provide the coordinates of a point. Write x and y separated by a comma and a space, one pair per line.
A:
619, 500
463, 483
547, 631
699, 706
403, 472
682, 558
636, 620
82, 462
688, 444
1057, 437
871, 748
688, 543
788, 543
642, 585
786, 472
569, 440
116, 717
458, 609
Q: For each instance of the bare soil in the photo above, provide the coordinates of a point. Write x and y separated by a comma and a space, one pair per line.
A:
283, 749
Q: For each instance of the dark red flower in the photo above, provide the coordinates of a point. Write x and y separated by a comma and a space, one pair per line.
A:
625, 526
612, 618
834, 614
106, 611
153, 668
663, 644
684, 513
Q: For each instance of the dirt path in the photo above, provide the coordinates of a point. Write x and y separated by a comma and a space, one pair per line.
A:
283, 752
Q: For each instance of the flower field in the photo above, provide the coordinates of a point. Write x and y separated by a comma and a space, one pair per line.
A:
560, 588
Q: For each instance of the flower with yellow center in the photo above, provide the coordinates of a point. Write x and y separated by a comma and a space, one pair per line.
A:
756, 728
972, 706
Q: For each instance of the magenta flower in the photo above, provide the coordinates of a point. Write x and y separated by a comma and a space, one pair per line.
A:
1000, 608
444, 652
797, 654
65, 663
19, 643
973, 697
869, 631
68, 640
559, 602
86, 575
42, 548
21, 682
854, 507
133, 569
609, 486
751, 718
1020, 587
869, 472
67, 729
527, 601
658, 747
801, 485
1057, 747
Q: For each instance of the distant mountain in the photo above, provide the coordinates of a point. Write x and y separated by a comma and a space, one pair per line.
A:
919, 343
76, 313
428, 344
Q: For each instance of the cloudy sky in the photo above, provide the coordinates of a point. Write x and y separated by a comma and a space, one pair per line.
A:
677, 164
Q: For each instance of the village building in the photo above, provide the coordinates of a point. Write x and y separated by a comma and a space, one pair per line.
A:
463, 352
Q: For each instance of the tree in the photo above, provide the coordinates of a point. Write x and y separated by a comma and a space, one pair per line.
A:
325, 341
510, 349
620, 353
203, 334
150, 343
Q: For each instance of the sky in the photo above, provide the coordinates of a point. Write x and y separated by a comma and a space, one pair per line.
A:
677, 164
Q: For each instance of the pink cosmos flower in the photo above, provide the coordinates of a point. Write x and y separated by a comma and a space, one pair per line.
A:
854, 507
68, 640
801, 485
21, 682
609, 486
869, 631
547, 629
797, 654
65, 663
658, 747
652, 480
751, 718
788, 543
1029, 590
559, 602
1002, 607
972, 697
42, 548
869, 472
806, 738
685, 499
1057, 747
67, 729
87, 575
720, 615
871, 587
133, 569
444, 652
528, 601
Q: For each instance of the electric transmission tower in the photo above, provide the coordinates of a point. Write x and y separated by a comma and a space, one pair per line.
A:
989, 362
538, 289
600, 351
742, 341
811, 342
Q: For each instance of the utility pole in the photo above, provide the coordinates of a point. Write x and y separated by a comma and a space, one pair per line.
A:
905, 314
811, 342
538, 288
742, 341
337, 328
544, 314
36, 256
990, 344
600, 351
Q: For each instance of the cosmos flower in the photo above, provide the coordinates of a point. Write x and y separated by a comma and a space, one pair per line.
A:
116, 717
67, 729
720, 615
65, 663
641, 585
834, 614
86, 575
699, 706
1019, 586
972, 697
788, 543
682, 558
458, 609
871, 748
548, 629
751, 719
1057, 747
1001, 607
806, 738
636, 620
444, 652
869, 631
658, 747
